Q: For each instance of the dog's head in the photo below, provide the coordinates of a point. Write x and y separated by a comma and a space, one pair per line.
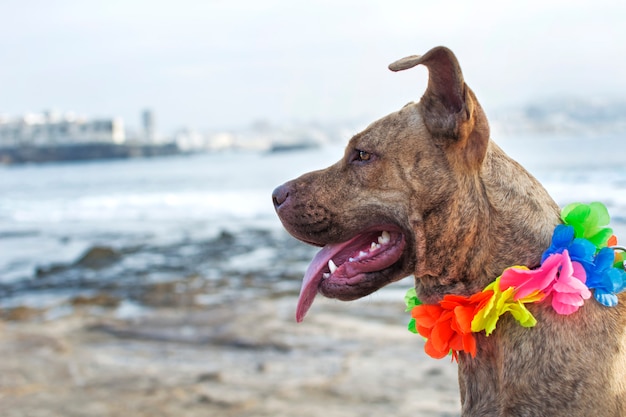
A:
405, 187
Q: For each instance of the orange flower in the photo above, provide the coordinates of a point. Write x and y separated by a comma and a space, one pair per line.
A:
619, 256
447, 326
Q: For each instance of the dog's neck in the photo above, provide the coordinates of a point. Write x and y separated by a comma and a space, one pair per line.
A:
487, 230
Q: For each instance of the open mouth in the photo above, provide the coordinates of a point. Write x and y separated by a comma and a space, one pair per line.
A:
351, 269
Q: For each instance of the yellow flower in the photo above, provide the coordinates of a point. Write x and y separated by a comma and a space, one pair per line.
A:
500, 303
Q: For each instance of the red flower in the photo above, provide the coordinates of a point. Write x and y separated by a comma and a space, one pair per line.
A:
447, 326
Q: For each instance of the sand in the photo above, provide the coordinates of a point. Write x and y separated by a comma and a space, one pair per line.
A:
229, 359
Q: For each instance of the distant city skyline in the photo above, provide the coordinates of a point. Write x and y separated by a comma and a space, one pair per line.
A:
216, 64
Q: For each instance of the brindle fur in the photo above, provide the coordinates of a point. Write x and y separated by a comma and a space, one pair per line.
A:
468, 211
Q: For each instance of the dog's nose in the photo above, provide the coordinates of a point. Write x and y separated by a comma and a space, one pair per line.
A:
280, 195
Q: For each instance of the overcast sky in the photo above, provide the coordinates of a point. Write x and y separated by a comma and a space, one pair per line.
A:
217, 64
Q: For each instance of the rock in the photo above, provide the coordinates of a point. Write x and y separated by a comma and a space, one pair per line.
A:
98, 257
102, 300
211, 376
21, 313
168, 294
225, 237
43, 271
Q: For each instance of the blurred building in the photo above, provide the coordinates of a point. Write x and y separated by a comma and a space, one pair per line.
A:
53, 128
149, 126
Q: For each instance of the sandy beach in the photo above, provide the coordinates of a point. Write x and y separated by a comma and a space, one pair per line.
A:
248, 359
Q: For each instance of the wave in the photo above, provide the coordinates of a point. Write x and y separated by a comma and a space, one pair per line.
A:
169, 205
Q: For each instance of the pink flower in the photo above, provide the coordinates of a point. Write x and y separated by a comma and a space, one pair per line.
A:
557, 276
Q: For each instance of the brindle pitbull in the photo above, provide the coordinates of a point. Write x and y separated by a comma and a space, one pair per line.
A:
424, 191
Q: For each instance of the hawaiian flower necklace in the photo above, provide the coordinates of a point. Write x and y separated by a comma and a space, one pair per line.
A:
583, 256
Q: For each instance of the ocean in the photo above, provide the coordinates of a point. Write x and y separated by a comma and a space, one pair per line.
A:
161, 217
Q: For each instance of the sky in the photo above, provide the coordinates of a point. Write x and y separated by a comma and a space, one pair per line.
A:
217, 64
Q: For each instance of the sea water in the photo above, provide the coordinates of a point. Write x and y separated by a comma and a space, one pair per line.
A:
53, 213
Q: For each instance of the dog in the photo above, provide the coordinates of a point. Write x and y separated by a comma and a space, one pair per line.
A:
425, 192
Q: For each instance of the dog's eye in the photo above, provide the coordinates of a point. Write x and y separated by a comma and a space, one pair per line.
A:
363, 156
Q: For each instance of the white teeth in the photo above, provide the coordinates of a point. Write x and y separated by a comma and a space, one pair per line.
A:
384, 238
325, 275
332, 266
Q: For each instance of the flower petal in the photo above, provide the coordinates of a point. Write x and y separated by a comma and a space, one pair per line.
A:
573, 299
411, 326
564, 309
411, 300
441, 335
469, 344
589, 221
522, 315
527, 282
434, 352
426, 315
606, 299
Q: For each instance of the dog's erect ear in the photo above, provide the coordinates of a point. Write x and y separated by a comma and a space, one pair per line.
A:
449, 107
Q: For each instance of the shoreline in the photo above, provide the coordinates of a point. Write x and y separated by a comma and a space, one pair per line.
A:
91, 151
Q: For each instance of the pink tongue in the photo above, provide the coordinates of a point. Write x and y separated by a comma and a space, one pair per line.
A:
313, 277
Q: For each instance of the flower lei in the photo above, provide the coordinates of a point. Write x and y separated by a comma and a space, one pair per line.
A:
582, 257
